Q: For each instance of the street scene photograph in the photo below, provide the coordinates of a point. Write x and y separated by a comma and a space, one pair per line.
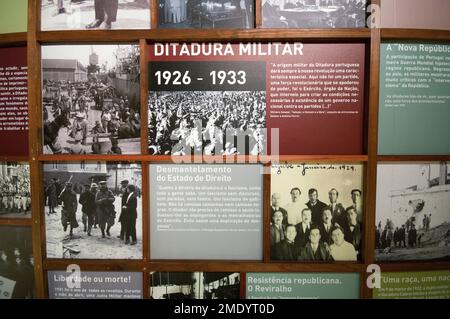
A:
94, 14
90, 99
93, 210
413, 216
195, 285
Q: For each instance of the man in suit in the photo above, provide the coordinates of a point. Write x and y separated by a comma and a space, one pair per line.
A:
303, 228
315, 205
277, 232
315, 250
337, 210
326, 226
294, 209
130, 211
341, 250
357, 204
412, 236
287, 249
102, 8
353, 230
402, 236
276, 198
124, 191
277, 229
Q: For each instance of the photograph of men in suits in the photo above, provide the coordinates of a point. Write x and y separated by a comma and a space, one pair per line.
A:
315, 249
315, 205
337, 210
325, 216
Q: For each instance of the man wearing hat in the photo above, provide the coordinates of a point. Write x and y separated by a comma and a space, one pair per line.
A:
87, 200
125, 193
104, 200
79, 129
69, 208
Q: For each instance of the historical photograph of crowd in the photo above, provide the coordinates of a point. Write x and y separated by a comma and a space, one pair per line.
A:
16, 263
316, 212
207, 122
15, 193
91, 99
314, 13
206, 14
94, 14
413, 212
194, 285
93, 210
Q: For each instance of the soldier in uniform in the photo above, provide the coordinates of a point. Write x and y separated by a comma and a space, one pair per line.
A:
104, 201
69, 208
51, 192
87, 200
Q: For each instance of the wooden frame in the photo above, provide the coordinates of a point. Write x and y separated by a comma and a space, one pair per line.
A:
372, 37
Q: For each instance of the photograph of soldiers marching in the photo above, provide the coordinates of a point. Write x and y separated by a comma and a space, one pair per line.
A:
90, 99
207, 122
93, 210
316, 212
16, 263
15, 194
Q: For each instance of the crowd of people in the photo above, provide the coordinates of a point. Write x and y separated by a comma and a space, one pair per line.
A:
316, 231
97, 208
207, 122
16, 262
73, 101
15, 195
405, 236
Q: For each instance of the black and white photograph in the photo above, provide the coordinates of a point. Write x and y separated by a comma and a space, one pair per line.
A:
93, 210
413, 211
91, 99
207, 122
206, 14
314, 14
16, 263
195, 285
316, 212
15, 193
94, 14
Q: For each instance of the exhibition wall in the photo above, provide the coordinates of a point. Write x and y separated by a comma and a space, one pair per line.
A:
265, 149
